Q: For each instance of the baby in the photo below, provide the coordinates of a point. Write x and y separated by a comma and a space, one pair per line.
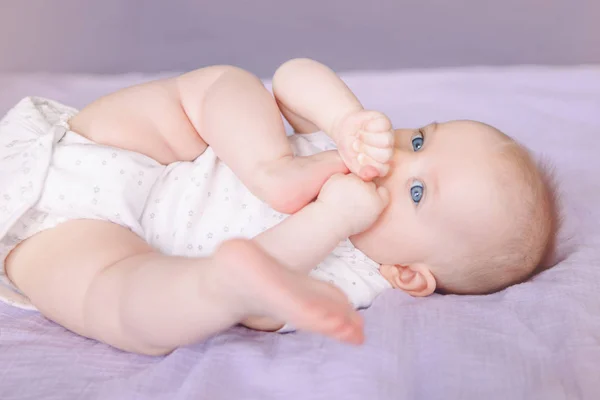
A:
119, 222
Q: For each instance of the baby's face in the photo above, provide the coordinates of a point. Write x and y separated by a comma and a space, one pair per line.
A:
442, 195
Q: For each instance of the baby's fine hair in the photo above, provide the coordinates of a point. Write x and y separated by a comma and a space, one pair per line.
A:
527, 191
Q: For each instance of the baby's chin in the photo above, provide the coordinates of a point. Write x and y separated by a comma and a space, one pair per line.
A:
381, 248
370, 244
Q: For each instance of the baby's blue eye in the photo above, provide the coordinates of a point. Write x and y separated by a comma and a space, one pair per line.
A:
417, 141
416, 192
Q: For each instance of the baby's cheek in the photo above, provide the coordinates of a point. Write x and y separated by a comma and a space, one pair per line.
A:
413, 239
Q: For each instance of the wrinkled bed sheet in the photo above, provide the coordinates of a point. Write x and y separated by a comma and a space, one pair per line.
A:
537, 340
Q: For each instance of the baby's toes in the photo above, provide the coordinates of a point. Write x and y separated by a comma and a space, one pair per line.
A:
381, 140
380, 154
377, 124
353, 334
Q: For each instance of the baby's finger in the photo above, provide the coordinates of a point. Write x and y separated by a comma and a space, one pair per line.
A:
378, 139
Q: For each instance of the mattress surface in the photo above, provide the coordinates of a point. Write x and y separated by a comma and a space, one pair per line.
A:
536, 340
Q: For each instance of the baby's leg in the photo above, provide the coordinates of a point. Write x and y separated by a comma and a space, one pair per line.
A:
312, 97
240, 119
111, 286
173, 120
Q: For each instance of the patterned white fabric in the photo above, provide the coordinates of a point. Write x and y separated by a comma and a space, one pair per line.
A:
49, 174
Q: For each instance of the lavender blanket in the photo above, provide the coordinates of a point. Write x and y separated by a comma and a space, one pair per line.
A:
537, 340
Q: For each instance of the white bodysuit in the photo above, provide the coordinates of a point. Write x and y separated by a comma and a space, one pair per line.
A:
49, 175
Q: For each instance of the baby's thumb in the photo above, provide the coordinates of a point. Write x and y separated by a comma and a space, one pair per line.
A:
384, 195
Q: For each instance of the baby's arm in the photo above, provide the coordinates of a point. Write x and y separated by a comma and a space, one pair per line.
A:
345, 206
312, 97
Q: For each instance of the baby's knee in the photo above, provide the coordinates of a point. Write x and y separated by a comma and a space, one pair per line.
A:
207, 76
238, 76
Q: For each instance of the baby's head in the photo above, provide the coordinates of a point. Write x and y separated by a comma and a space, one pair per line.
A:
470, 212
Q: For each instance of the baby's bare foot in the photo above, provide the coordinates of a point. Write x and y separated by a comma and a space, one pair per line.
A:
365, 140
260, 286
290, 183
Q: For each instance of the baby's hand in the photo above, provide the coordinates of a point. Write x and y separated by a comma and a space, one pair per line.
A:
358, 203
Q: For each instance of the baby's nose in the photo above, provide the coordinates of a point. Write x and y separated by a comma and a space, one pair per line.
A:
400, 158
404, 163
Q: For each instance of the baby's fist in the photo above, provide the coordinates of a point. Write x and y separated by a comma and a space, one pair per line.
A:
357, 203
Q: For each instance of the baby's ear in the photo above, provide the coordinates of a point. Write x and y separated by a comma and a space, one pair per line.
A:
415, 279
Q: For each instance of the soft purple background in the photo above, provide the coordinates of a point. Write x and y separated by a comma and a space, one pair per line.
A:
149, 35
537, 340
